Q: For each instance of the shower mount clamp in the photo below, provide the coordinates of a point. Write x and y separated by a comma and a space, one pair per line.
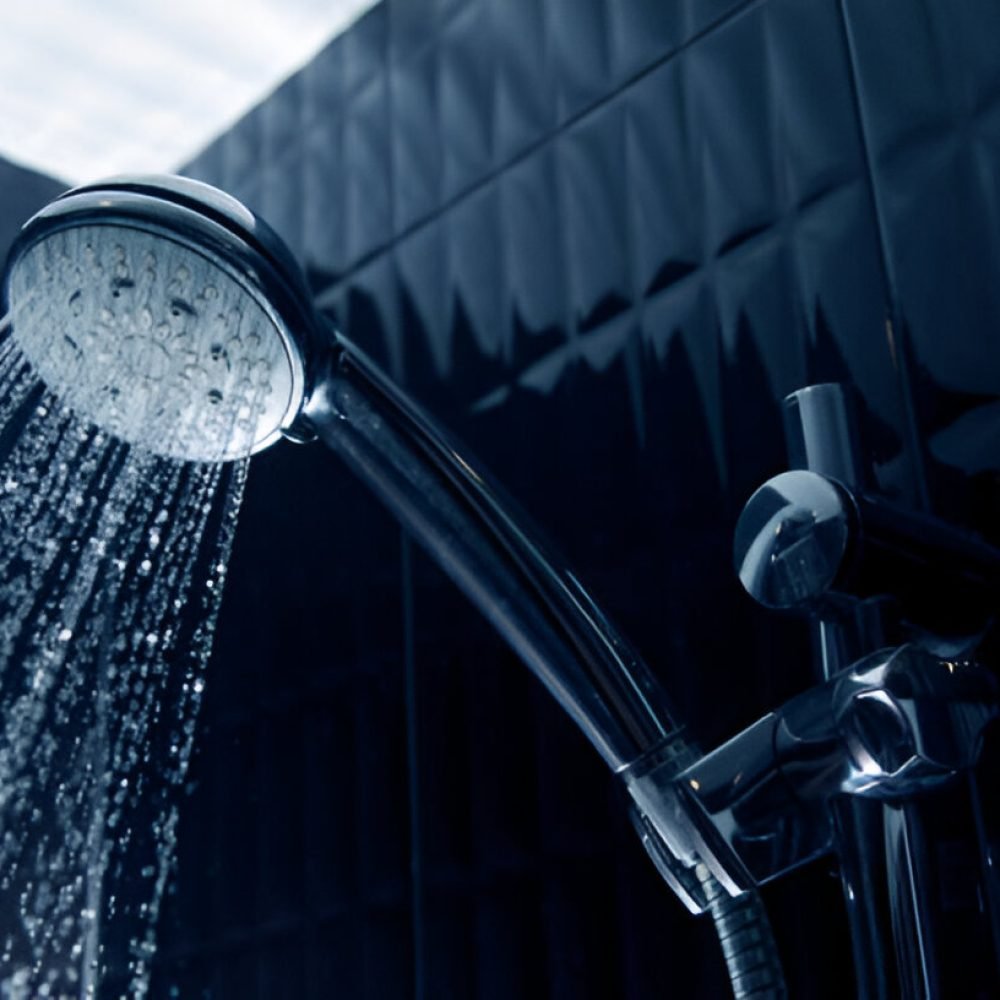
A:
894, 723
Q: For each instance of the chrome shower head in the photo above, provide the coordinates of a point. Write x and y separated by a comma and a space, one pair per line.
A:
165, 312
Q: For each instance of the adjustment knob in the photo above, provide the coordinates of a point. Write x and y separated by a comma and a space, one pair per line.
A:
792, 539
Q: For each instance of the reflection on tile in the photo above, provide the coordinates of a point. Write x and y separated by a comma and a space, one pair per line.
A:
367, 171
416, 162
467, 85
931, 112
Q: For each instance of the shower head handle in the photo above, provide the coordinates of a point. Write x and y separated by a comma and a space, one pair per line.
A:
319, 385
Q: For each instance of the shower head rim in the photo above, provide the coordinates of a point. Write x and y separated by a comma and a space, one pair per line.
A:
213, 225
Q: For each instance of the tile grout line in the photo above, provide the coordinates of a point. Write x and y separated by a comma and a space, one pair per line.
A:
413, 769
328, 294
898, 340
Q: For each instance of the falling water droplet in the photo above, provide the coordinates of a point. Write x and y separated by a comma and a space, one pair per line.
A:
99, 546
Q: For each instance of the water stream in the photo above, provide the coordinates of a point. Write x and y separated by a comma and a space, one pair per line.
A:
112, 562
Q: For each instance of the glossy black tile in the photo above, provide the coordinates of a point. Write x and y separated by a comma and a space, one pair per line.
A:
602, 240
931, 114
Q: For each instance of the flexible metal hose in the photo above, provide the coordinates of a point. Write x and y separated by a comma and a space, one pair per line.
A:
747, 942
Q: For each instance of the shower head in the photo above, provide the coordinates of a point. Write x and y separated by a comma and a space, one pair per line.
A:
162, 310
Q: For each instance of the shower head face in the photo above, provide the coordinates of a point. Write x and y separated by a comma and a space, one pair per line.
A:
165, 313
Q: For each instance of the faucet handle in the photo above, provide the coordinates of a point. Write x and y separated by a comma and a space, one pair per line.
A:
911, 721
805, 541
792, 539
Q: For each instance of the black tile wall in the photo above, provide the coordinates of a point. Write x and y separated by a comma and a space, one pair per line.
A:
523, 108
22, 193
465, 98
602, 239
931, 115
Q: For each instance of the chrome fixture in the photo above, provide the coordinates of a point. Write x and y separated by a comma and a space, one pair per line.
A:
110, 281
